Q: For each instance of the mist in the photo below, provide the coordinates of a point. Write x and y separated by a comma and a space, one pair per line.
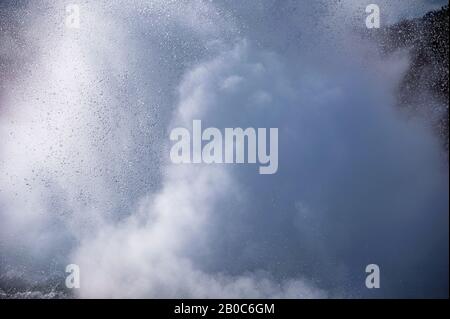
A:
86, 177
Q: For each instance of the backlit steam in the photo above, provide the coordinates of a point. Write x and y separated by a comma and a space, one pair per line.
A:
86, 176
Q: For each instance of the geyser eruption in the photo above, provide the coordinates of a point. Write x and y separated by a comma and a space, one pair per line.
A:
86, 176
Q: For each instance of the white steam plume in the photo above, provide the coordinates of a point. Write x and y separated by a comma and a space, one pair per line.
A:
85, 170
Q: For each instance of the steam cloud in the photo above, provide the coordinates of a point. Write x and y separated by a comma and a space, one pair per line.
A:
86, 176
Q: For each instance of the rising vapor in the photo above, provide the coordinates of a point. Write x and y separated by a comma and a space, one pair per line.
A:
86, 176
